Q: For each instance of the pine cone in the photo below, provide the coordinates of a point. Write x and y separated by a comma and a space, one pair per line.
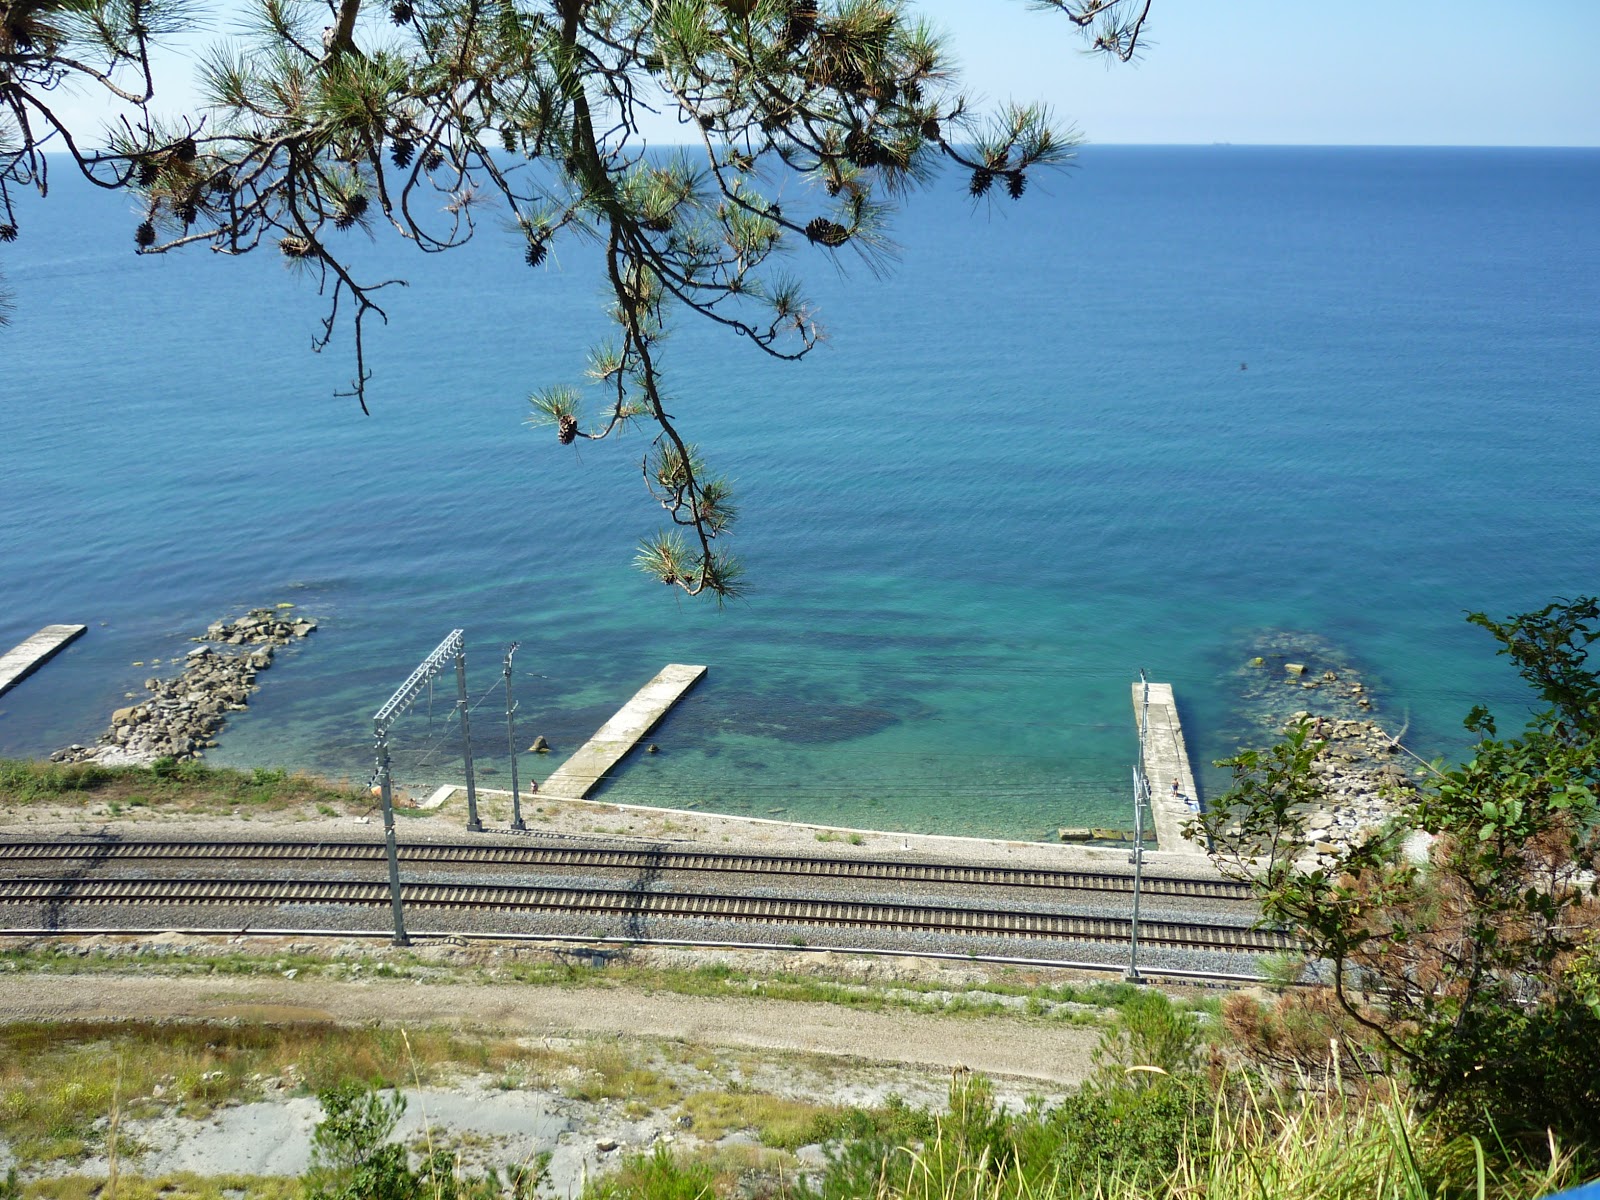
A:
148, 170
145, 235
536, 252
401, 13
8, 233
400, 152
567, 430
829, 233
350, 212
1016, 181
861, 148
982, 181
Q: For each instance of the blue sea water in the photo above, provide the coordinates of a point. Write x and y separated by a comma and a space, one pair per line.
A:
1176, 405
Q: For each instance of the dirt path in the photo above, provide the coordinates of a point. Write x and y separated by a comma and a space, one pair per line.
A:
1007, 1047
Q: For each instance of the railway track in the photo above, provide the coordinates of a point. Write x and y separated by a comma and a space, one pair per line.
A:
138, 893
623, 858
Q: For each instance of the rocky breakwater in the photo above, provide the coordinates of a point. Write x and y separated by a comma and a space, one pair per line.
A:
1362, 780
183, 715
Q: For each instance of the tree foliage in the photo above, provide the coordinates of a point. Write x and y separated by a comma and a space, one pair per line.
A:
806, 121
1475, 966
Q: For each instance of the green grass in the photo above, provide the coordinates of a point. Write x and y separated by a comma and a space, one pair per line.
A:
610, 1072
189, 786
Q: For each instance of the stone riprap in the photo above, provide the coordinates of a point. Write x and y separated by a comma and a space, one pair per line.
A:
1362, 780
183, 714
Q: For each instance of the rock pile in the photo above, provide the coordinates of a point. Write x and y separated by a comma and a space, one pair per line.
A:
259, 625
183, 715
1362, 780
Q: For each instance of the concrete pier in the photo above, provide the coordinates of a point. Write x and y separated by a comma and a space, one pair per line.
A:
1167, 759
576, 777
23, 659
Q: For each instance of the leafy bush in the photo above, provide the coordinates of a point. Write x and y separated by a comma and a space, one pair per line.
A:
1130, 1133
1467, 969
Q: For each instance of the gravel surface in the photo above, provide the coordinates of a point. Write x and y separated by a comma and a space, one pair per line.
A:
1039, 1050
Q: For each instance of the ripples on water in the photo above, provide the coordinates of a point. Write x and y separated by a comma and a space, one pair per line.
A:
1176, 401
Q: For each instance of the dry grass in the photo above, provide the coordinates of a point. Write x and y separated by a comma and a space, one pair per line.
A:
775, 1120
179, 1186
58, 1081
607, 1071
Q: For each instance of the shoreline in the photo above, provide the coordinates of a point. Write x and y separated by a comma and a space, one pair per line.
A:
600, 820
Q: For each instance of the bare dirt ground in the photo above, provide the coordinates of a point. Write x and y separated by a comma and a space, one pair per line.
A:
995, 1046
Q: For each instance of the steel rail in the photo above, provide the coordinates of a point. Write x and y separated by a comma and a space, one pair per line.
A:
55, 893
620, 858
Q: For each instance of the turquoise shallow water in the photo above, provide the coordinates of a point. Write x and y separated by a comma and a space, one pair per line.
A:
1026, 464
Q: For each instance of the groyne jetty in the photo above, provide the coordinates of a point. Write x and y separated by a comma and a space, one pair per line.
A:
1174, 798
581, 773
28, 656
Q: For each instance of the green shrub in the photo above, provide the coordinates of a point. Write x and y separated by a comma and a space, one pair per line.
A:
1127, 1132
1149, 1031
353, 1159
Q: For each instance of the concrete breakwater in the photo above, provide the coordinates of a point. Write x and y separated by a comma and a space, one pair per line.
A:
184, 713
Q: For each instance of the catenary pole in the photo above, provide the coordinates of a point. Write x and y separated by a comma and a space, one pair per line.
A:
387, 797
1141, 790
511, 741
473, 824
405, 695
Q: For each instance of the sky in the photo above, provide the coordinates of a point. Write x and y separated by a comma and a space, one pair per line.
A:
1277, 72
1305, 72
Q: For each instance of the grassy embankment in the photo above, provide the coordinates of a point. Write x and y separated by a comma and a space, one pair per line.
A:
168, 787
192, 789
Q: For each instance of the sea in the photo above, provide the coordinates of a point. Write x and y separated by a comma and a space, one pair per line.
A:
1176, 409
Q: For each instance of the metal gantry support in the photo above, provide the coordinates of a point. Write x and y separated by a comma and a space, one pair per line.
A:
382, 751
386, 716
1141, 798
511, 740
473, 824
